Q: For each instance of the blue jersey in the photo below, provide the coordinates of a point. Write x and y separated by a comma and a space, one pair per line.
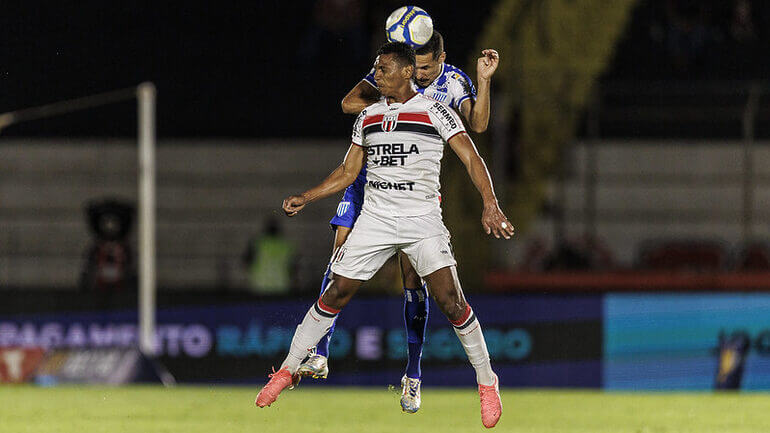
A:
350, 206
452, 87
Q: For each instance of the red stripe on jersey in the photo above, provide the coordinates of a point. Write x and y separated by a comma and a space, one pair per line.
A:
415, 117
372, 119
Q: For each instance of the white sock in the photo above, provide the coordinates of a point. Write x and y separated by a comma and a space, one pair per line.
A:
314, 326
468, 330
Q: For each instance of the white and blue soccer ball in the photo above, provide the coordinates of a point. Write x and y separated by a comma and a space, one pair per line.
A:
409, 24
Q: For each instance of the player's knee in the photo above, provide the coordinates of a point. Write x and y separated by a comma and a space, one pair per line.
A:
456, 310
453, 307
338, 294
333, 296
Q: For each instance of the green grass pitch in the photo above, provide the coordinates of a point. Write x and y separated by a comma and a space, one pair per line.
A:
184, 409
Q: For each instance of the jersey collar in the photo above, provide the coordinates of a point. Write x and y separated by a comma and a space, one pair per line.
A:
402, 103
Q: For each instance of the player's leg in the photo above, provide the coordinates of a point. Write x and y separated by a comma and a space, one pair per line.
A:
317, 364
432, 257
415, 315
415, 320
348, 210
315, 325
445, 289
340, 236
367, 248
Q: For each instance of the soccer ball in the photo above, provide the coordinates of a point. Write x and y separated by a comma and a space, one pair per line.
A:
409, 24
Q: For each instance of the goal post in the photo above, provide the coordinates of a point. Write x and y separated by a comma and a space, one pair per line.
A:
145, 94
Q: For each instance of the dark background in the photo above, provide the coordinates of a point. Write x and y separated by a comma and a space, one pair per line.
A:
271, 69
224, 69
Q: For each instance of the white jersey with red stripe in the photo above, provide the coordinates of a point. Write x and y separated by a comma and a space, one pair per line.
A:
404, 143
451, 86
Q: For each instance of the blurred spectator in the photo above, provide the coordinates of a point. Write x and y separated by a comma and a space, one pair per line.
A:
754, 257
690, 36
583, 254
109, 261
683, 255
270, 260
742, 25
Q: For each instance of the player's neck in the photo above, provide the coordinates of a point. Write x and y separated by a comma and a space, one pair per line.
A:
401, 96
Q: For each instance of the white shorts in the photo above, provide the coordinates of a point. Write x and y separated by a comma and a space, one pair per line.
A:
374, 239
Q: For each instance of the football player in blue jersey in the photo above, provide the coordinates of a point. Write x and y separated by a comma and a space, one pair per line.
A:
441, 81
445, 83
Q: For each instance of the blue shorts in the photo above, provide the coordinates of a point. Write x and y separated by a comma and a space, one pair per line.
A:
347, 211
350, 206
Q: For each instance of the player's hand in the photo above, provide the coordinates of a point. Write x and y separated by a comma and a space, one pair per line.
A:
487, 64
293, 204
494, 221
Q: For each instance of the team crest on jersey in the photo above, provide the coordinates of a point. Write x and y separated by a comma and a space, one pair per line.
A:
389, 122
342, 208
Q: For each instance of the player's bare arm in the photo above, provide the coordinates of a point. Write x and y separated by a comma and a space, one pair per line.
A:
360, 97
492, 218
477, 113
338, 180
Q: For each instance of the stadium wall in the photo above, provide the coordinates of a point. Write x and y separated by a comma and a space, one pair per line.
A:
535, 340
614, 341
214, 194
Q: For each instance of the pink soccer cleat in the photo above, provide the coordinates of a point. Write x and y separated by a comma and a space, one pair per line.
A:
491, 405
279, 380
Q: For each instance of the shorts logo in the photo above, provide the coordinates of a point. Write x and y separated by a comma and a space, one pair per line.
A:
389, 122
342, 208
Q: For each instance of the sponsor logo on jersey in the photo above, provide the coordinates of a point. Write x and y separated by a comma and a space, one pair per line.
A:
359, 124
389, 122
448, 118
395, 186
342, 208
467, 87
390, 154
437, 95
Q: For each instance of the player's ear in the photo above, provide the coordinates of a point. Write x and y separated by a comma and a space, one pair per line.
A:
407, 71
442, 57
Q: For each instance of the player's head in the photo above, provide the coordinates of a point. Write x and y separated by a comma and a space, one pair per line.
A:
429, 59
394, 67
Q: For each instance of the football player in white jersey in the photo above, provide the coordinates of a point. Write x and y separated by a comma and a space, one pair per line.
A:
444, 83
440, 81
401, 139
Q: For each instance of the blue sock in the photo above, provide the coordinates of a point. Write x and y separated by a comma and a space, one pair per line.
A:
322, 348
415, 319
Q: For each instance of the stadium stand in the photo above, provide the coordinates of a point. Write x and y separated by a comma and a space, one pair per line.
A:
211, 196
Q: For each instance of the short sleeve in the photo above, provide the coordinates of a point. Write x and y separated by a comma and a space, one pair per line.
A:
446, 121
460, 88
357, 135
369, 78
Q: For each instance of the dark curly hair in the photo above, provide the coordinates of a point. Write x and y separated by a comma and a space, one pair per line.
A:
403, 52
435, 46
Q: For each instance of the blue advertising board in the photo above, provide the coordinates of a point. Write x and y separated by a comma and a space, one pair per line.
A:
534, 340
669, 341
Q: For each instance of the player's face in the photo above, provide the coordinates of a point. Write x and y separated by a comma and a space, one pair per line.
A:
389, 74
428, 68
